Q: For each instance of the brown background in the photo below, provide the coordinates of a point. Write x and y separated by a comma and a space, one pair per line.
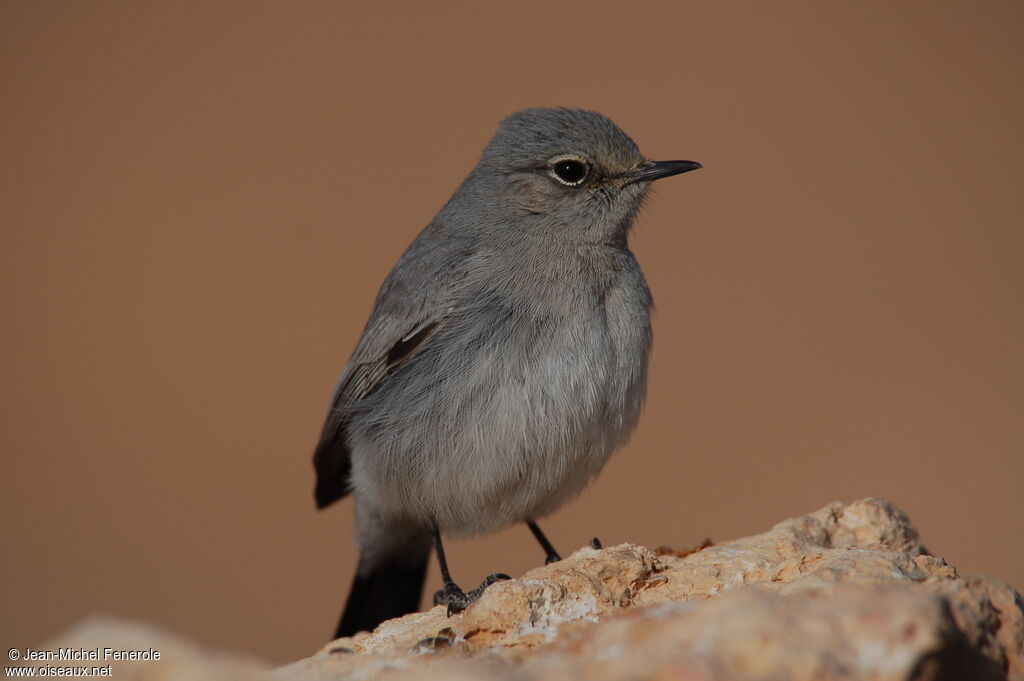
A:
201, 199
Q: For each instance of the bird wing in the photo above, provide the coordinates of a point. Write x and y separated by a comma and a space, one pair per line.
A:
361, 377
412, 305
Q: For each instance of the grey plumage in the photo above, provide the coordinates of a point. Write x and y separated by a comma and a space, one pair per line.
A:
506, 355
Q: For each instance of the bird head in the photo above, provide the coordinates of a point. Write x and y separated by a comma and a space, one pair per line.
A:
568, 170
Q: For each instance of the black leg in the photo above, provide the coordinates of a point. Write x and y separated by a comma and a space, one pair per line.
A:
451, 595
552, 555
442, 561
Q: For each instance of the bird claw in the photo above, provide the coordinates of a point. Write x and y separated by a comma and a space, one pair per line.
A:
458, 600
450, 593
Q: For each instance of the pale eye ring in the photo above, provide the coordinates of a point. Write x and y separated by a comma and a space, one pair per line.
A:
569, 170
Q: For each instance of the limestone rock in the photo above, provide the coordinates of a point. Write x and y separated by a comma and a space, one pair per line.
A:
847, 592
179, 658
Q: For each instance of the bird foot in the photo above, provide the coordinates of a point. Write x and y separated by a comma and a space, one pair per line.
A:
458, 600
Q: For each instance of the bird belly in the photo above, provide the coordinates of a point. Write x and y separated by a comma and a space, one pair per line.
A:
512, 425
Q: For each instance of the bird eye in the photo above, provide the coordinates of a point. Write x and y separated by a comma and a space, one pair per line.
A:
569, 171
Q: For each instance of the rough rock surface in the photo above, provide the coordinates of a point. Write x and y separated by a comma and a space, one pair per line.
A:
847, 592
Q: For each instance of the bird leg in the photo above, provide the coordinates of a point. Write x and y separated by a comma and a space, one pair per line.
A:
451, 595
552, 555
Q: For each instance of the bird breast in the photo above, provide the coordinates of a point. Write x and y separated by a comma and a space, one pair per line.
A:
516, 403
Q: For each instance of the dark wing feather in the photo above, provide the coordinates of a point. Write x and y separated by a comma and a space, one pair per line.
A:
419, 294
332, 458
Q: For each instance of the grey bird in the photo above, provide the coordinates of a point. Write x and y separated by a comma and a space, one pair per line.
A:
505, 358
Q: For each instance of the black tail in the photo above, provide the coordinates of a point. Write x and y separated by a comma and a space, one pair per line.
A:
387, 591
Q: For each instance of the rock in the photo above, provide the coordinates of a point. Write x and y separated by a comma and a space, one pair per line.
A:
178, 659
847, 592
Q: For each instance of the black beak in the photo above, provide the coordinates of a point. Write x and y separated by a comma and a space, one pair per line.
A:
655, 170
